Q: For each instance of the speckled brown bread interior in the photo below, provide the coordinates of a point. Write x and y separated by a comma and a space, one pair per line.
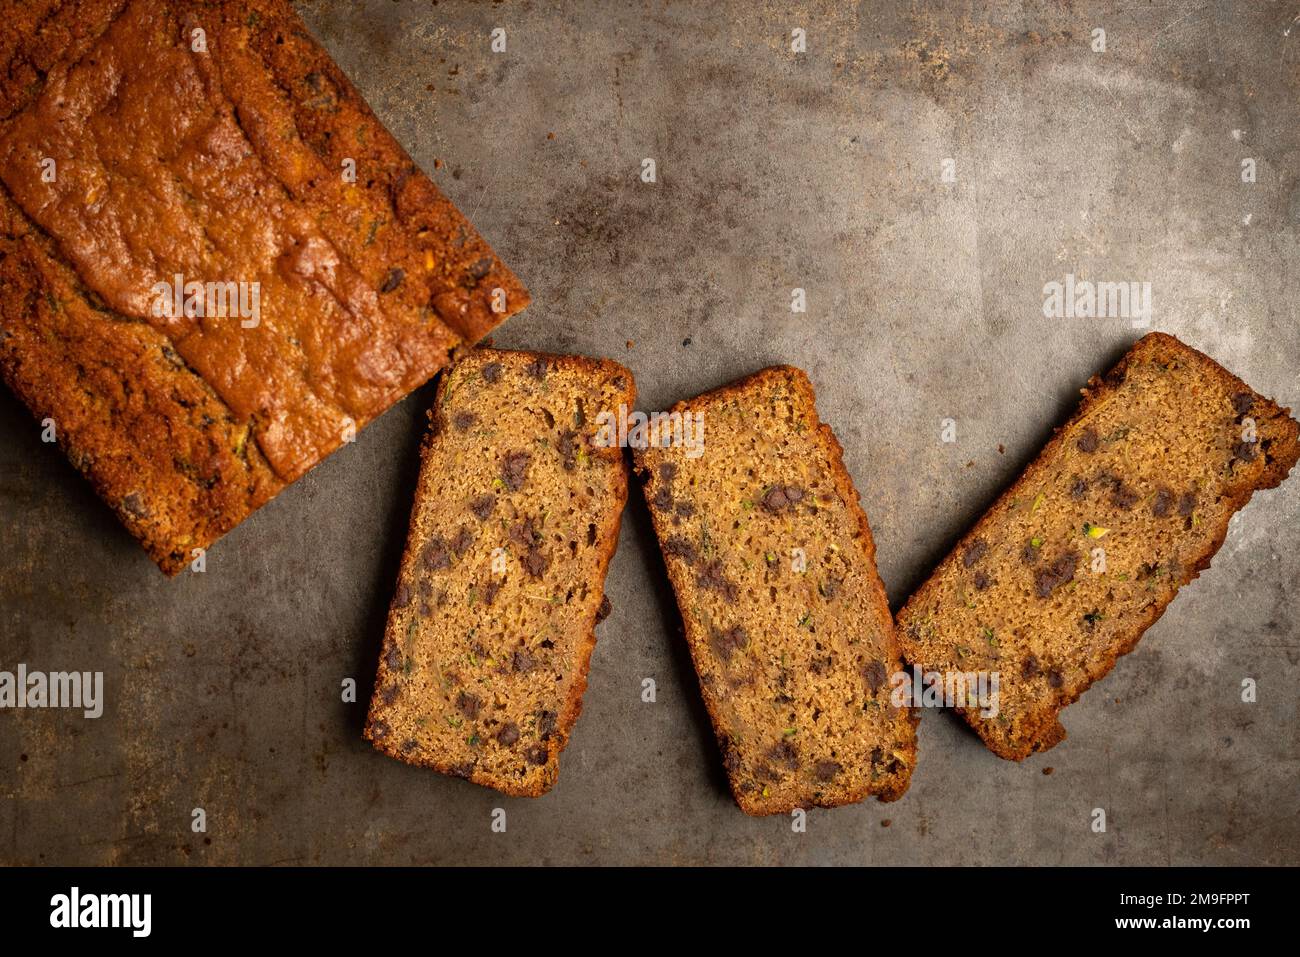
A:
220, 165
1126, 504
773, 564
516, 517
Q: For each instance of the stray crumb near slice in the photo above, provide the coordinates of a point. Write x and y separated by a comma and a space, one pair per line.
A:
1048, 770
886, 822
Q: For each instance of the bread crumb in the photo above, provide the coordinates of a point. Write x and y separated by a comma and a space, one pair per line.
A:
1001, 449
886, 822
1048, 770
631, 343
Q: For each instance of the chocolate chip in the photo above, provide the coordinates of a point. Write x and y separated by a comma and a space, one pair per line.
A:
604, 610
712, 577
395, 277
462, 542
522, 661
982, 581
663, 499
492, 372
463, 421
1123, 496
1031, 667
537, 369
678, 546
1058, 573
490, 590
731, 760
1029, 554
403, 596
514, 469
974, 552
464, 770
568, 449
393, 658
1055, 678
536, 562
726, 642
537, 754
784, 754
468, 705
436, 556
876, 674
480, 268
1187, 504
546, 722
1243, 402
133, 504
525, 533
1078, 488
684, 509
877, 755
482, 506
1163, 502
1245, 451
1088, 440
379, 729
780, 497
508, 735
826, 770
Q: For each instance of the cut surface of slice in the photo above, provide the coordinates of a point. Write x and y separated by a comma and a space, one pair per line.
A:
773, 565
516, 516
1127, 503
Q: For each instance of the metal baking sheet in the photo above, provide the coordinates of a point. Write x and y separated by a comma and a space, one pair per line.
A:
921, 171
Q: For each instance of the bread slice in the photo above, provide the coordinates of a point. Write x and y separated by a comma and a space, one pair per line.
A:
1126, 504
773, 564
517, 513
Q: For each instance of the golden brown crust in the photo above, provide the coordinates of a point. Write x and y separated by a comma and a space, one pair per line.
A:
1279, 440
156, 423
684, 583
383, 716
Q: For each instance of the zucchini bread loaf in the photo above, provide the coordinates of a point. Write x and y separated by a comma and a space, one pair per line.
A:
516, 516
215, 264
1126, 504
773, 564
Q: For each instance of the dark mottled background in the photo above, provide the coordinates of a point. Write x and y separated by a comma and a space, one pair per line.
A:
775, 171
